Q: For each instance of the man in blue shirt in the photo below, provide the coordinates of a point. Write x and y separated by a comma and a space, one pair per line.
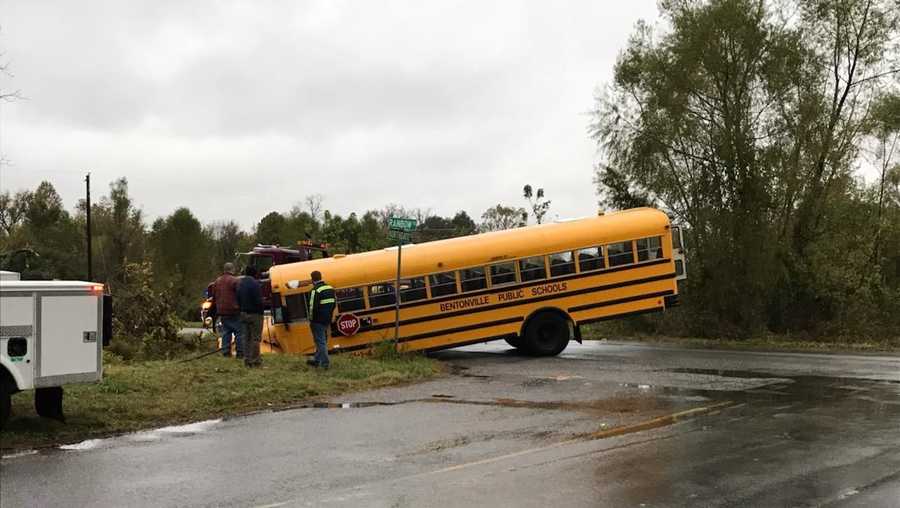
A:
249, 298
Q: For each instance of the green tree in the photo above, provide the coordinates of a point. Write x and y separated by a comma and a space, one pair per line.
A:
373, 232
885, 128
181, 258
145, 321
463, 224
746, 129
435, 228
536, 201
302, 225
47, 229
12, 212
501, 217
119, 234
227, 240
271, 230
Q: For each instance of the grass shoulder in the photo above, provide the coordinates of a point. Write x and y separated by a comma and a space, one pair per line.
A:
142, 395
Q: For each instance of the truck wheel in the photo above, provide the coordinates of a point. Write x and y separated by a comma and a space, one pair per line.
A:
5, 402
48, 402
546, 334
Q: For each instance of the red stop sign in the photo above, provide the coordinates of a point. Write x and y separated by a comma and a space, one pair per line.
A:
348, 324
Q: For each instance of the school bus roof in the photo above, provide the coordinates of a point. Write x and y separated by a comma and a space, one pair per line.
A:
474, 250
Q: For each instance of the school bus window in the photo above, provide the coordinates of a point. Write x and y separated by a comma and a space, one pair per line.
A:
473, 279
442, 284
620, 254
532, 269
590, 259
503, 273
561, 263
649, 248
412, 290
296, 306
350, 299
381, 294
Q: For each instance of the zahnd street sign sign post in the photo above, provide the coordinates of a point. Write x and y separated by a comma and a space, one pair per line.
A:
401, 229
402, 224
400, 236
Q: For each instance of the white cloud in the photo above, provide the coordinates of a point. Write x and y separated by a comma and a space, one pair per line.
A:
237, 109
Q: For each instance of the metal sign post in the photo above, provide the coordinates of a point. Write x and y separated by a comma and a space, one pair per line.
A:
397, 294
401, 229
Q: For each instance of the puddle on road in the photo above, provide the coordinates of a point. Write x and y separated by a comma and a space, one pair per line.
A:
460, 370
723, 373
806, 393
619, 404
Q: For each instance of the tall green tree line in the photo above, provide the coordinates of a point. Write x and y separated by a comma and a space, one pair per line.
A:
177, 254
748, 122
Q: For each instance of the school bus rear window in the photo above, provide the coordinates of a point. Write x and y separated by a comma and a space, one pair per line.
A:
649, 248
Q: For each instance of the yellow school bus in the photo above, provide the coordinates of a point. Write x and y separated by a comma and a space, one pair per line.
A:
532, 286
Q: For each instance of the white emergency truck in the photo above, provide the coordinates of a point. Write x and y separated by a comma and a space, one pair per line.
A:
51, 333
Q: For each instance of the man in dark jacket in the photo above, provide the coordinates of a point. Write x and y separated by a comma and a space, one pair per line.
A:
224, 294
321, 308
249, 298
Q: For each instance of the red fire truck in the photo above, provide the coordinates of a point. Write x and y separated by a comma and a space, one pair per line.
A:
264, 257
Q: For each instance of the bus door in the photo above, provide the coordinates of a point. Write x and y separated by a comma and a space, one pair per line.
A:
678, 253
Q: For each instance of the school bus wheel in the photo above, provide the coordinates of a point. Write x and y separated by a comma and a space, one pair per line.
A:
515, 341
546, 333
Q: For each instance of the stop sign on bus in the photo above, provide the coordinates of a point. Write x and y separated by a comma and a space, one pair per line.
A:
348, 324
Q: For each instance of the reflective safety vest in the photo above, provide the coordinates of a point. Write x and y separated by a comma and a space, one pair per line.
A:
321, 303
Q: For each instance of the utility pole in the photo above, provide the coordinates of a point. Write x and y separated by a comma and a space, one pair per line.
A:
87, 213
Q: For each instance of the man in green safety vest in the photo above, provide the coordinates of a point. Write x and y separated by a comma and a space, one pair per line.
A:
321, 309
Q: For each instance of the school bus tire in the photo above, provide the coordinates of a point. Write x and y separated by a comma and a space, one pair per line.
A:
515, 341
546, 333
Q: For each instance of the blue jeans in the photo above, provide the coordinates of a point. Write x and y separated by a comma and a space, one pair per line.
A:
231, 327
320, 336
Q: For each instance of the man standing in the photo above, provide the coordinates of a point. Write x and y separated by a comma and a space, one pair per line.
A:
224, 293
249, 297
321, 308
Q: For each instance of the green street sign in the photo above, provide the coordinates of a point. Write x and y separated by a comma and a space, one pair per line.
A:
402, 224
400, 235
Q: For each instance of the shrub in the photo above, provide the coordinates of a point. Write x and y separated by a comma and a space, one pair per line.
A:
145, 322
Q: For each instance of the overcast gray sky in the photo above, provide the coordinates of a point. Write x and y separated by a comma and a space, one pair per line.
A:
235, 109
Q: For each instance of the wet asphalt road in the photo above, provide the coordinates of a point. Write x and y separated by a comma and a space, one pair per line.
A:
604, 424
